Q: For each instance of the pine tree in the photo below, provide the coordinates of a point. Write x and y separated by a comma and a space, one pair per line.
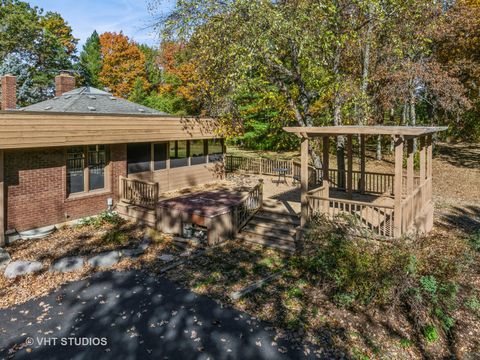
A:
91, 60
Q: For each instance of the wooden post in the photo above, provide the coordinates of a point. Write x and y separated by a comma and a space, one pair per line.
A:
2, 199
350, 165
362, 164
410, 164
429, 168
304, 181
398, 186
326, 176
423, 160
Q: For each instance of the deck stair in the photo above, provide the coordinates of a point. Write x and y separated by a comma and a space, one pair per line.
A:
271, 229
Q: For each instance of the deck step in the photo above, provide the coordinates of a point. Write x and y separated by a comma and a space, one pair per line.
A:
267, 241
278, 217
259, 226
137, 214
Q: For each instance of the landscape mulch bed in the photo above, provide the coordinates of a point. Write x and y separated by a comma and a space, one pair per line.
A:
83, 241
228, 269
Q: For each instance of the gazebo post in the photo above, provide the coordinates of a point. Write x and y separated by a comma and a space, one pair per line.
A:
325, 172
429, 167
350, 165
2, 199
410, 165
304, 181
362, 164
398, 186
423, 159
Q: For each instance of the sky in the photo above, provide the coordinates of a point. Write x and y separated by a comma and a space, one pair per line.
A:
130, 16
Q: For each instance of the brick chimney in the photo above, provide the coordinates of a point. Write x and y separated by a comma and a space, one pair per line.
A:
64, 83
9, 92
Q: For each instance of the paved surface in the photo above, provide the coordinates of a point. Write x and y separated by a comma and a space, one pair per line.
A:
135, 316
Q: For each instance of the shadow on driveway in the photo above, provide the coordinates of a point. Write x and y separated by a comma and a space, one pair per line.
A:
140, 316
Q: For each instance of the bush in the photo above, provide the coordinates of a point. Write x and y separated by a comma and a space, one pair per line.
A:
106, 217
420, 275
116, 237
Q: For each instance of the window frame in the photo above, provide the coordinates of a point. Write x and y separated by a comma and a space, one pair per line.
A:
86, 173
187, 155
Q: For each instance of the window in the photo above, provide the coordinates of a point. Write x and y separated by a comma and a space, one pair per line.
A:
178, 153
86, 168
97, 159
75, 170
160, 156
197, 152
215, 150
138, 158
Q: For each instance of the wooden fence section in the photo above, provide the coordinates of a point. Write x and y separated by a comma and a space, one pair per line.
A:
247, 207
139, 193
376, 218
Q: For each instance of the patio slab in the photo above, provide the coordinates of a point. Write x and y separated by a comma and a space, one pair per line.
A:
19, 268
68, 264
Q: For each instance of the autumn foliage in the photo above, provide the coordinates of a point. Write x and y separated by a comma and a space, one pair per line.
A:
123, 63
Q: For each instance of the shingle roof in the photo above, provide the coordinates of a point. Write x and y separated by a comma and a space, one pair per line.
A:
88, 99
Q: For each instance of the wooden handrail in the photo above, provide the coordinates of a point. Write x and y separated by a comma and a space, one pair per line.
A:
362, 203
248, 207
138, 192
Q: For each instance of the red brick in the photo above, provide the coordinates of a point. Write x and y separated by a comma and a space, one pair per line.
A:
36, 188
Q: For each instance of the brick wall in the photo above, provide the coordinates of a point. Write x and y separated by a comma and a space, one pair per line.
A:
64, 83
36, 188
9, 93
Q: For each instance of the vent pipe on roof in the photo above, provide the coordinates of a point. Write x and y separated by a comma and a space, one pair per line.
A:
9, 92
64, 83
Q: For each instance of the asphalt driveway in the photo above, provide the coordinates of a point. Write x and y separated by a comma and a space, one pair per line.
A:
131, 315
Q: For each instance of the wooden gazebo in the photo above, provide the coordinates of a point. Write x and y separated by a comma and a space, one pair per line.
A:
390, 205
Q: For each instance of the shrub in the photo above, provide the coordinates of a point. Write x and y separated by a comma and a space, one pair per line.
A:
106, 217
420, 275
116, 237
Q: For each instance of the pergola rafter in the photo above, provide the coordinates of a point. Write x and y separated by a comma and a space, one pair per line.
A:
389, 204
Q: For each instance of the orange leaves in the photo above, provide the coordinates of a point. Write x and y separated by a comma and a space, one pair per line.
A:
185, 81
123, 64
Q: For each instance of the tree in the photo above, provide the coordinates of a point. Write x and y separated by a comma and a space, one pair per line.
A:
91, 60
35, 47
123, 64
456, 44
236, 43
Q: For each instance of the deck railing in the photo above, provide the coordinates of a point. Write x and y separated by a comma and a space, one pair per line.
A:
376, 218
247, 207
375, 182
137, 192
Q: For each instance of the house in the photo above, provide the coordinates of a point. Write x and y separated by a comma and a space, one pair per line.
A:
72, 156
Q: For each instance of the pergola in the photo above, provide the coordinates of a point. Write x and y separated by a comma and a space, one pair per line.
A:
388, 204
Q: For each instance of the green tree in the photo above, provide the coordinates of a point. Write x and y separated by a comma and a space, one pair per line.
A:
35, 47
91, 60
